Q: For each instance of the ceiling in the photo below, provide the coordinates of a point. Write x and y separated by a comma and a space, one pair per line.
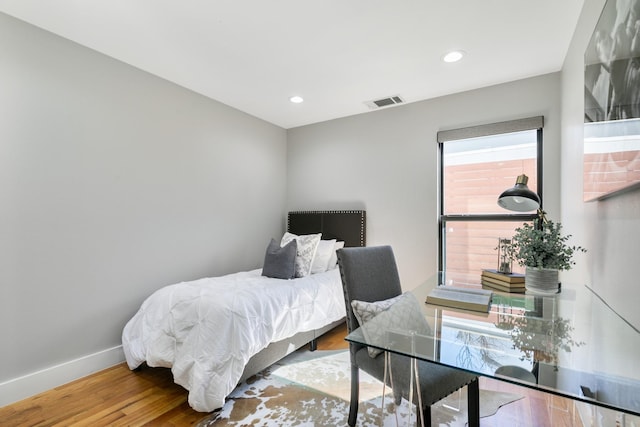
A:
254, 55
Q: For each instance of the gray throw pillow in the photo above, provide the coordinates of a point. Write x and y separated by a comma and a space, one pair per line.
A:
366, 311
402, 313
280, 262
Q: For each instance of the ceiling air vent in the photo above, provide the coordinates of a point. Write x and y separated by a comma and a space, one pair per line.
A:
384, 102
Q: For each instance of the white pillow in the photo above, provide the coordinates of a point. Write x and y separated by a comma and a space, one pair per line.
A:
323, 254
307, 246
333, 261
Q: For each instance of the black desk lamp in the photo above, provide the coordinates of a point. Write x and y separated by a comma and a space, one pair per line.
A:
519, 198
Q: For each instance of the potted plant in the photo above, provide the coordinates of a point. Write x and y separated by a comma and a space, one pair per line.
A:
543, 250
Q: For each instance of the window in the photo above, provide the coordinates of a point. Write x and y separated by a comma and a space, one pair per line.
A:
476, 165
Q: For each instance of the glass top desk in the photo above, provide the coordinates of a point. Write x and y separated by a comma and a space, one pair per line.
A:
570, 344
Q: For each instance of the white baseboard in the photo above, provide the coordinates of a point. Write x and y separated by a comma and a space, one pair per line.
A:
28, 385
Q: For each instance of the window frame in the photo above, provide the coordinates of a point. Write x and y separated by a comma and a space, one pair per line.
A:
528, 124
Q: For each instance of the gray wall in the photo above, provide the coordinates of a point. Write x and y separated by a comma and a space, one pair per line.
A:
386, 162
114, 183
610, 228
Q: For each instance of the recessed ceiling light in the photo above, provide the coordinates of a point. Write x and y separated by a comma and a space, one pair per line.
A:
296, 99
453, 56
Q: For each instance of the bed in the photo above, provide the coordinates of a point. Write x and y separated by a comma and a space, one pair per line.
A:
215, 332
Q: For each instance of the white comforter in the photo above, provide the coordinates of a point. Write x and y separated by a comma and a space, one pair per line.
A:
206, 330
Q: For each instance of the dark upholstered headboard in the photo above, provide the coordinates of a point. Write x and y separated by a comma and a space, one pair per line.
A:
348, 226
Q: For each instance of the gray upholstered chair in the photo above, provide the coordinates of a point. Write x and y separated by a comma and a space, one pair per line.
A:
370, 274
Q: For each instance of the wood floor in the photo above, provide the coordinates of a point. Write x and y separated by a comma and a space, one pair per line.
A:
148, 397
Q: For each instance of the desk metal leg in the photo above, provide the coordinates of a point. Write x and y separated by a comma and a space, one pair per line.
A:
473, 399
419, 408
387, 374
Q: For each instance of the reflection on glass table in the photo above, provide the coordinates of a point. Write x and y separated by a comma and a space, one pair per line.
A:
570, 344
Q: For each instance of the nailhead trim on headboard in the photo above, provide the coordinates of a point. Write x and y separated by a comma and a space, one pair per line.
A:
362, 222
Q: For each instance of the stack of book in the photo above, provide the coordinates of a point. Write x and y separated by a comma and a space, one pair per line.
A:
462, 298
505, 282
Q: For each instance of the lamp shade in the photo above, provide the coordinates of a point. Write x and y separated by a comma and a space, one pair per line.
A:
519, 198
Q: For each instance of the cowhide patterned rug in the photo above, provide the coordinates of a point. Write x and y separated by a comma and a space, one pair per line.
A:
312, 389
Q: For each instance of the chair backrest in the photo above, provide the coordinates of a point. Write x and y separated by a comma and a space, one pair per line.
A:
368, 274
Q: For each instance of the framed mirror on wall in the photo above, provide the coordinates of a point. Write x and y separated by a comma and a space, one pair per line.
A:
612, 102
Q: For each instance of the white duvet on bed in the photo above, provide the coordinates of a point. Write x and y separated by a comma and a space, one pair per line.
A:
206, 330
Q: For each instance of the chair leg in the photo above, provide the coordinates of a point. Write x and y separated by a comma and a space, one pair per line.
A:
426, 416
355, 386
397, 398
473, 399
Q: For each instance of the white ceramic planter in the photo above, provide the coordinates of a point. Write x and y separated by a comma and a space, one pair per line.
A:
541, 280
